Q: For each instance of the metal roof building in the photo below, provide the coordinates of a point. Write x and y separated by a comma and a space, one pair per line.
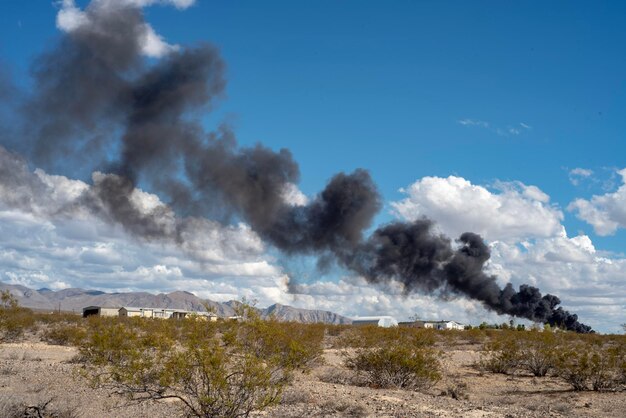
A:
381, 321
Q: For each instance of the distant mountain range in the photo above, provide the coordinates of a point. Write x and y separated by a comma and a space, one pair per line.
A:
76, 299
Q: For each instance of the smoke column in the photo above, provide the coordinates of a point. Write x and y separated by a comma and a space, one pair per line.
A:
97, 100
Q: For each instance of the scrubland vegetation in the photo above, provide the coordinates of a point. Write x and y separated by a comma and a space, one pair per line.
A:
230, 369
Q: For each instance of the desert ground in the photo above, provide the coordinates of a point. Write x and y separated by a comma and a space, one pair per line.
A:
34, 372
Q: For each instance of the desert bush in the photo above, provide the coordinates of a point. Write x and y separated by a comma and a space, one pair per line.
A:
293, 345
474, 336
374, 336
539, 352
502, 353
344, 408
574, 367
64, 334
396, 366
336, 330
339, 375
58, 318
227, 370
456, 390
14, 320
214, 382
13, 408
599, 367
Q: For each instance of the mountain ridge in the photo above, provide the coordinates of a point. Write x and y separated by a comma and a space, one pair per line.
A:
75, 299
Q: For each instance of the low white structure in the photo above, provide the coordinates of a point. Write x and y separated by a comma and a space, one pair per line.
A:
100, 311
131, 311
442, 325
381, 321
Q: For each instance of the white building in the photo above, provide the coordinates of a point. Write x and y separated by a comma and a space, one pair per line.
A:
130, 311
442, 325
381, 321
100, 311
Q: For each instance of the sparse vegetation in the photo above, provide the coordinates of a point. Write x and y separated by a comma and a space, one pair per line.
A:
12, 408
583, 361
502, 353
373, 336
230, 373
14, 320
587, 365
232, 368
396, 366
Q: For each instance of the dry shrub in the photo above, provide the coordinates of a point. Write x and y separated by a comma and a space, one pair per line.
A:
295, 397
396, 366
374, 336
293, 345
344, 408
539, 352
13, 408
339, 376
474, 336
456, 390
226, 370
58, 318
600, 367
65, 334
502, 353
336, 330
14, 320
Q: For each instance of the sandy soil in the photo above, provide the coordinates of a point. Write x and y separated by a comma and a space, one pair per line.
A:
34, 372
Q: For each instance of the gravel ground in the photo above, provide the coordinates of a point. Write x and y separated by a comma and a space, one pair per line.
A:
35, 372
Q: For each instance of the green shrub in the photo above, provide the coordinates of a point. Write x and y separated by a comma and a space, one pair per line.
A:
539, 352
502, 353
64, 334
600, 367
58, 317
14, 320
374, 336
396, 366
225, 370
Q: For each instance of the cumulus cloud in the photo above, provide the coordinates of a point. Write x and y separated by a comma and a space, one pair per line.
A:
67, 205
529, 244
293, 196
50, 238
71, 18
514, 212
588, 283
607, 212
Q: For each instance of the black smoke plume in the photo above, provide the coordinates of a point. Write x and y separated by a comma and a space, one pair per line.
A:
100, 103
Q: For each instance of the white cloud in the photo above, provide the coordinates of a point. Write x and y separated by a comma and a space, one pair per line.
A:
42, 247
508, 131
293, 196
607, 212
515, 212
588, 284
153, 44
70, 18
577, 174
529, 244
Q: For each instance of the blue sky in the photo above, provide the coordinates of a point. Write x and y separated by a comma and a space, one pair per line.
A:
486, 91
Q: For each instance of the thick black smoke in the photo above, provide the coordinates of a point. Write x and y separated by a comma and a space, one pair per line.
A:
98, 99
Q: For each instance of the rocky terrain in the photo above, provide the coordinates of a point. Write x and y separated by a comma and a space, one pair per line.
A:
76, 299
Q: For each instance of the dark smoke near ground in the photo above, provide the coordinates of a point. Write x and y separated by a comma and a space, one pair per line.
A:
99, 102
